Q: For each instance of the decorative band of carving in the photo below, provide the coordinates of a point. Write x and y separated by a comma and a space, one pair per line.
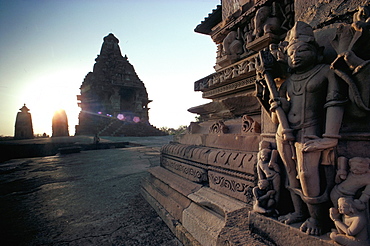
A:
190, 152
238, 71
247, 177
187, 162
185, 170
230, 87
229, 184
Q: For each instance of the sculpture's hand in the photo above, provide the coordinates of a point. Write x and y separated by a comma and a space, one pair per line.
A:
265, 61
334, 214
320, 144
340, 176
360, 205
350, 58
274, 104
271, 192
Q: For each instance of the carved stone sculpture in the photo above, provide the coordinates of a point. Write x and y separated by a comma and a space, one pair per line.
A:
232, 44
268, 169
350, 184
264, 198
350, 223
311, 96
266, 21
352, 64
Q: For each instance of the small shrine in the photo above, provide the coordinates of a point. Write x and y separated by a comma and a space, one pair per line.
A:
60, 124
113, 100
282, 149
23, 124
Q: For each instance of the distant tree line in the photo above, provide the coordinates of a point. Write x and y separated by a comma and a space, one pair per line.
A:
172, 131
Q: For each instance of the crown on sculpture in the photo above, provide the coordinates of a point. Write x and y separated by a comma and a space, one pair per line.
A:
301, 32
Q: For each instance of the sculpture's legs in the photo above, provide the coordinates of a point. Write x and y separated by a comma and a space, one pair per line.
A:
317, 201
286, 154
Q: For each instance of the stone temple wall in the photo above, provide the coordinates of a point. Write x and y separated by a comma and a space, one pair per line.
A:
231, 169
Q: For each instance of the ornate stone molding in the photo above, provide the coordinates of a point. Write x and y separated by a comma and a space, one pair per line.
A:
188, 171
234, 187
249, 125
219, 127
238, 71
230, 88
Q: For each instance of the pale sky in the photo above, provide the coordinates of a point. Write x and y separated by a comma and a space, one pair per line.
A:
48, 46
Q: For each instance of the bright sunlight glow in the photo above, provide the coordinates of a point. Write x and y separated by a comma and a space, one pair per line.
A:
44, 100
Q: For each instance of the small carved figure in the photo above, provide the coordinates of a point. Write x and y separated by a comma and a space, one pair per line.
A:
264, 198
232, 44
349, 184
351, 224
251, 65
248, 30
266, 20
310, 102
268, 169
277, 50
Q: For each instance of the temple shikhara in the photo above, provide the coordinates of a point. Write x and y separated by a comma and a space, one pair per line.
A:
113, 100
282, 151
23, 128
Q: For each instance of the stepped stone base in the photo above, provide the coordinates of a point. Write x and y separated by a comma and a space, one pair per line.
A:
282, 234
196, 214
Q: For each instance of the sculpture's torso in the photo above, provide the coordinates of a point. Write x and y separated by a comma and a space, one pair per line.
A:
307, 95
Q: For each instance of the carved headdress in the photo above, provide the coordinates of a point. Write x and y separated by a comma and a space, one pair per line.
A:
301, 32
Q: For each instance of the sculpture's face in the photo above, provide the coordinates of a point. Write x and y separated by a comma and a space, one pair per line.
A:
359, 166
263, 184
301, 56
344, 208
265, 155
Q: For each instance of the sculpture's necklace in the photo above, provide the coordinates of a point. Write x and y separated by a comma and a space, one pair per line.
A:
299, 81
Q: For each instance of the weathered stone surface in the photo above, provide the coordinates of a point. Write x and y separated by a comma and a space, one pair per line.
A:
177, 183
316, 13
213, 200
173, 202
208, 214
283, 234
204, 225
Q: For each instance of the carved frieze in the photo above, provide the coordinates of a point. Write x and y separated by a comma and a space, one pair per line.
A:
189, 152
230, 185
187, 171
238, 161
241, 70
230, 88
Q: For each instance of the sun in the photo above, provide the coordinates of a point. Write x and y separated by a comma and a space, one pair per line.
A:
47, 94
